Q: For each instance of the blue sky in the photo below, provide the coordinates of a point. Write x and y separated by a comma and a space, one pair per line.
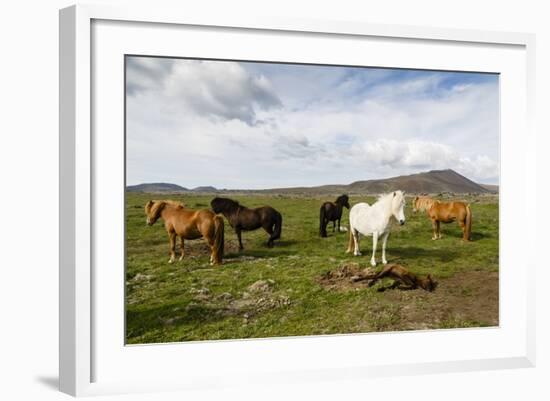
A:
261, 125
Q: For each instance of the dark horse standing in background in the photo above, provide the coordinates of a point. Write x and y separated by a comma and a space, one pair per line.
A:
332, 211
242, 218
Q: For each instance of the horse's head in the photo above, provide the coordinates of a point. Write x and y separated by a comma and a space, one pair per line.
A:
428, 283
415, 199
343, 200
152, 211
220, 205
398, 206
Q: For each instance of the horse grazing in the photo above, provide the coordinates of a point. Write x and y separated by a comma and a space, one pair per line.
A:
188, 224
445, 212
242, 218
332, 211
375, 220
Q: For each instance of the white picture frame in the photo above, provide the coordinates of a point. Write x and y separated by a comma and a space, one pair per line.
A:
82, 346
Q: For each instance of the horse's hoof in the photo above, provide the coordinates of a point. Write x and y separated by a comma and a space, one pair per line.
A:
357, 254
373, 263
170, 261
384, 262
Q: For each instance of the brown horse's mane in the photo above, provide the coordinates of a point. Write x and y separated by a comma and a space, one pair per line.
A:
154, 207
424, 202
224, 204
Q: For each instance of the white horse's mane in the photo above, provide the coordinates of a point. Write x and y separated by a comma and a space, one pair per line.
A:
389, 195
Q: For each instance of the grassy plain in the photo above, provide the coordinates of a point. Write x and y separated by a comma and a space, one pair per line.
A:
267, 292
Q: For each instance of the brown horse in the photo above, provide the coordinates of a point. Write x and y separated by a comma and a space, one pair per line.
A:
188, 224
445, 212
242, 218
332, 211
403, 278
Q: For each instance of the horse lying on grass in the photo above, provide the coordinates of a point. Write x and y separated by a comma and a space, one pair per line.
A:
445, 212
403, 279
332, 211
242, 218
188, 224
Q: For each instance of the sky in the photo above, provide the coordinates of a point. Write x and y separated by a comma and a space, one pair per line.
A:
248, 125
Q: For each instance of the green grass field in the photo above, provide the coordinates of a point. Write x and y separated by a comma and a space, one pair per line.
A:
267, 292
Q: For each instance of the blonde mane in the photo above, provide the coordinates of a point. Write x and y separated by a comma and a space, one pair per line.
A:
423, 203
171, 202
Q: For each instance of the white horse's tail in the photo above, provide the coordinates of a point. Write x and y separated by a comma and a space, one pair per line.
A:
350, 239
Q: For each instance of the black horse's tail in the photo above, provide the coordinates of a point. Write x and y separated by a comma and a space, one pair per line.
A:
278, 226
322, 222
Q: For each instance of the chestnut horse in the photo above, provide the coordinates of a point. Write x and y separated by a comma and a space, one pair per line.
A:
188, 224
445, 212
332, 211
242, 218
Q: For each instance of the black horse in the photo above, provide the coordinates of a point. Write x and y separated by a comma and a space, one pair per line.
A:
242, 218
332, 211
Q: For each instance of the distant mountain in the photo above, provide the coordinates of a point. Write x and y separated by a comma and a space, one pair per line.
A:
435, 181
205, 189
430, 182
490, 188
156, 187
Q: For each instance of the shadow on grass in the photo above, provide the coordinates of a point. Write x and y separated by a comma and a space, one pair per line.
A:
158, 318
444, 255
476, 236
259, 253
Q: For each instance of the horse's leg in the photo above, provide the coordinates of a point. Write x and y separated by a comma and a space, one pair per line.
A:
334, 226
182, 244
462, 225
172, 247
269, 229
238, 231
356, 251
384, 242
438, 229
434, 228
350, 239
209, 238
374, 243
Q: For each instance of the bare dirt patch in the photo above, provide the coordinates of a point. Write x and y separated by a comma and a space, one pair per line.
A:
467, 299
346, 277
258, 297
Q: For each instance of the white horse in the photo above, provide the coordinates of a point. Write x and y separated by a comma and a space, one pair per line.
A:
375, 220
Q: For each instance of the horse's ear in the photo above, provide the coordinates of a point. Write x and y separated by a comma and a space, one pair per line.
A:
394, 194
148, 206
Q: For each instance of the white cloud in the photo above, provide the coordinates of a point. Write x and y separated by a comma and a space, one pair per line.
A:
421, 155
207, 88
254, 125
